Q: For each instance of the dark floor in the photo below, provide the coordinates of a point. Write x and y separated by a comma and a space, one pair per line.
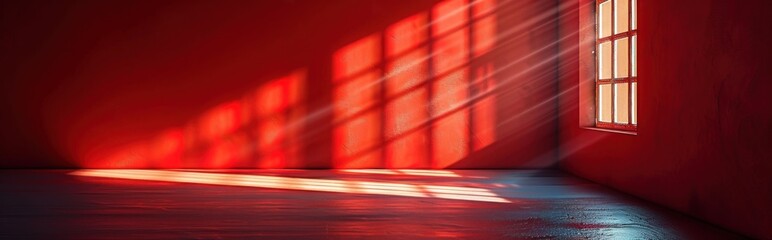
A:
320, 204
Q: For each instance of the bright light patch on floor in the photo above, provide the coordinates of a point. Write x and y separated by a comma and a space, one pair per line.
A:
415, 172
306, 184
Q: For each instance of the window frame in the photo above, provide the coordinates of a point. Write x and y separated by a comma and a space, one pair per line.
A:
613, 80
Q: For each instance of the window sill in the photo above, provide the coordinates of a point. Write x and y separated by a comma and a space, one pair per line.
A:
611, 130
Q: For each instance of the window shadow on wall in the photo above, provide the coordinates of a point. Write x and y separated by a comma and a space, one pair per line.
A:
453, 84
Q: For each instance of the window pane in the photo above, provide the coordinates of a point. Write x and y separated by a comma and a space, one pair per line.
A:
635, 15
634, 56
620, 103
620, 16
604, 103
634, 104
604, 53
621, 57
604, 20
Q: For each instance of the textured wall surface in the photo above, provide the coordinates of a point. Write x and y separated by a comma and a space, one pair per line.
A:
704, 114
278, 84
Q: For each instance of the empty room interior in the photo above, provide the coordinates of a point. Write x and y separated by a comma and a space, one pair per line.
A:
385, 119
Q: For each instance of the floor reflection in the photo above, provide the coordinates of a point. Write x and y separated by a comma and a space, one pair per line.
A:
327, 204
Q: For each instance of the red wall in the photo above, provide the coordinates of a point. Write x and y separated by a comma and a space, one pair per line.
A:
702, 146
278, 84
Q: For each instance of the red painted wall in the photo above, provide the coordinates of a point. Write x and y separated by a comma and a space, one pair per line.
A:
704, 112
278, 84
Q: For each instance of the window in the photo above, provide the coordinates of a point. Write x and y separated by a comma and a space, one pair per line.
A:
616, 81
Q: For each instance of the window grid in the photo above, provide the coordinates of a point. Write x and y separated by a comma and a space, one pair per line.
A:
613, 80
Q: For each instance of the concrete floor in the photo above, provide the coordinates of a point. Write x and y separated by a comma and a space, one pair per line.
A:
328, 204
